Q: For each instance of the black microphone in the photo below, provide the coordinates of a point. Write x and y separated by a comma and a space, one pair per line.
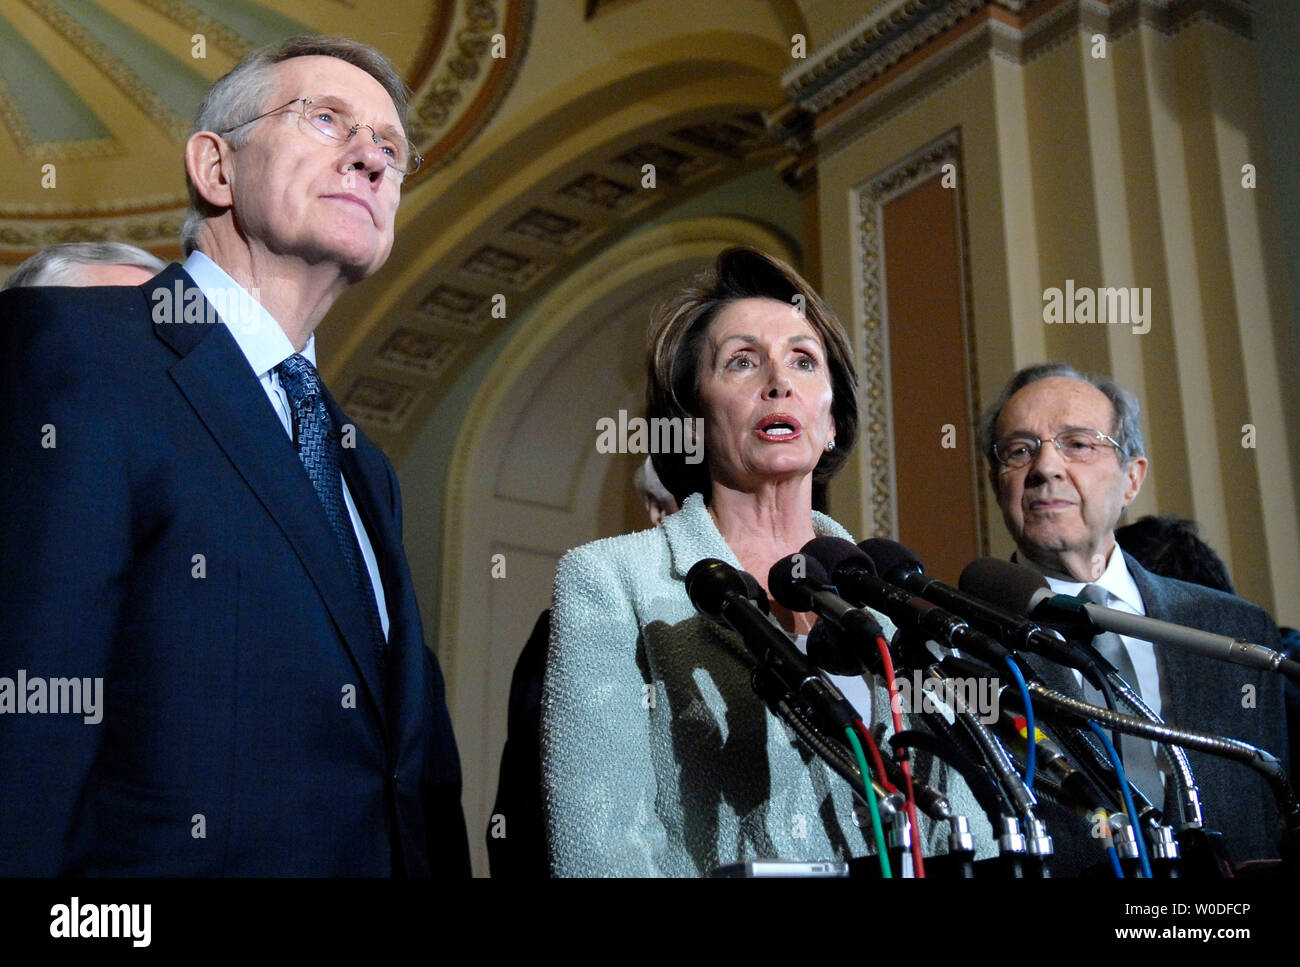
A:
833, 651
843, 643
800, 583
720, 591
1072, 787
855, 577
1024, 590
900, 566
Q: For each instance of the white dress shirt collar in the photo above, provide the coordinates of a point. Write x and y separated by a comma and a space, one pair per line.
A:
1115, 580
260, 338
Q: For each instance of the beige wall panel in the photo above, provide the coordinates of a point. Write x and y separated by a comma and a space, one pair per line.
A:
1267, 542
1063, 203
1107, 144
967, 102
1187, 375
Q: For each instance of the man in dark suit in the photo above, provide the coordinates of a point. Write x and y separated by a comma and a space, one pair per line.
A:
208, 629
1065, 458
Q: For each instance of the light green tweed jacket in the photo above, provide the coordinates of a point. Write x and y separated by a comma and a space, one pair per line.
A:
657, 757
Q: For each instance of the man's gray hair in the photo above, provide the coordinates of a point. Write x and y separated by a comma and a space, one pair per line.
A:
1126, 429
242, 93
58, 264
647, 483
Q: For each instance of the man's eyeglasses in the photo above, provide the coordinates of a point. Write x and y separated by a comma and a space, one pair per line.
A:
338, 125
1076, 446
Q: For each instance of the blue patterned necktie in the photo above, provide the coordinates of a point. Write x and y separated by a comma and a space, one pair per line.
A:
319, 450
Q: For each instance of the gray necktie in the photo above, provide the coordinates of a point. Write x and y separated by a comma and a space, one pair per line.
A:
1139, 759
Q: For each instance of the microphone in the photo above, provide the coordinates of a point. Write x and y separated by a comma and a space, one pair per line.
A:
1024, 590
720, 591
854, 575
1072, 786
831, 650
900, 566
800, 583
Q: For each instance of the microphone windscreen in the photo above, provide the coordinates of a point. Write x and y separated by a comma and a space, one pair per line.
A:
1009, 586
786, 577
830, 650
889, 556
709, 580
834, 551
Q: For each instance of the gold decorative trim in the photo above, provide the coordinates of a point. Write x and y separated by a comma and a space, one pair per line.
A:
218, 33
870, 47
419, 352
380, 404
871, 197
433, 106
108, 62
141, 230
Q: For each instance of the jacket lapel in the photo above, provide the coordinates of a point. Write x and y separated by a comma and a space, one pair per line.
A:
366, 476
215, 378
1180, 689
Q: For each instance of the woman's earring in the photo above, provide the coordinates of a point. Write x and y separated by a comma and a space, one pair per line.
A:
830, 445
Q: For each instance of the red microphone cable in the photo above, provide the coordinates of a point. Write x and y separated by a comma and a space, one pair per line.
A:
904, 764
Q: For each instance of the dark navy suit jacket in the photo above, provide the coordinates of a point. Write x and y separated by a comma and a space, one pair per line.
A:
1228, 700
1212, 696
159, 532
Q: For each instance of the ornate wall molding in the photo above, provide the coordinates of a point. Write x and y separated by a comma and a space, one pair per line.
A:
144, 230
870, 198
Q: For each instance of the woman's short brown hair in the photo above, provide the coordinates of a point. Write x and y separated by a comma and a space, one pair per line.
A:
677, 331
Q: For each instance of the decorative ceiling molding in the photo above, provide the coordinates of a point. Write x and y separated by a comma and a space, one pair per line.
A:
150, 101
906, 49
458, 76
870, 47
197, 22
135, 229
469, 83
13, 118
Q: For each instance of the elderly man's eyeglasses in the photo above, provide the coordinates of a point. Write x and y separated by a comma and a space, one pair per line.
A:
1076, 446
319, 115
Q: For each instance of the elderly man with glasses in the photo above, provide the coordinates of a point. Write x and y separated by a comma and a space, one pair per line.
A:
1065, 458
205, 594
